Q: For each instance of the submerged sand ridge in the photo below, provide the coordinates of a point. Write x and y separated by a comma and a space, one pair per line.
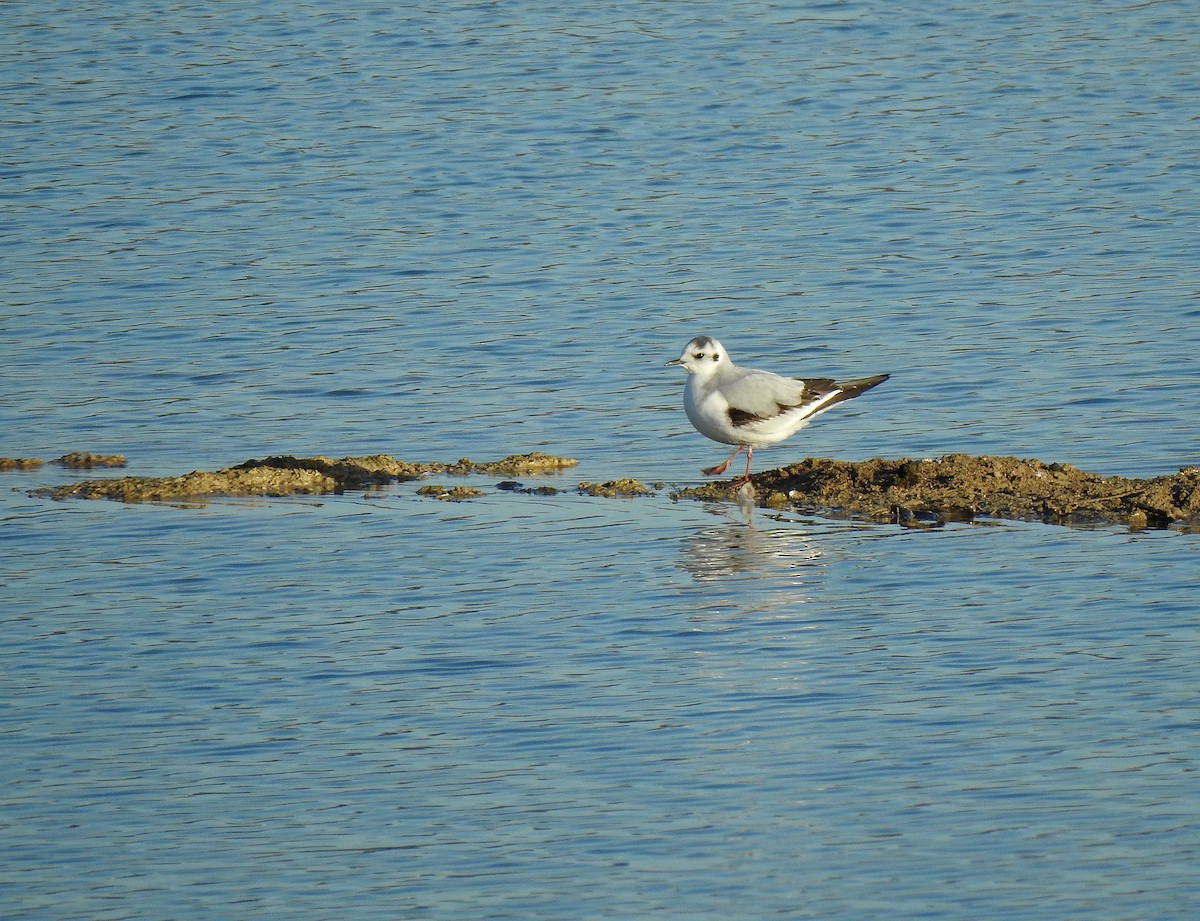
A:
930, 492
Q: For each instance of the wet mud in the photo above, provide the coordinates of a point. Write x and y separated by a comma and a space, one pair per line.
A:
76, 460
451, 493
959, 487
20, 463
915, 493
616, 489
286, 475
82, 460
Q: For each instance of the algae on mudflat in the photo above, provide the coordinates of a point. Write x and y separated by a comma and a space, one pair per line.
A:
450, 493
959, 487
84, 460
284, 475
956, 487
75, 460
20, 463
624, 488
200, 484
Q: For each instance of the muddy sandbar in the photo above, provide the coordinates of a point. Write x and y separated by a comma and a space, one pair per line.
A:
959, 487
286, 475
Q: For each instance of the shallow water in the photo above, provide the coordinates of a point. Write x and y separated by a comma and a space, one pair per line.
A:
482, 229
536, 707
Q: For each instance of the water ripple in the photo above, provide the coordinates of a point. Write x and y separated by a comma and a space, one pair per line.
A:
474, 230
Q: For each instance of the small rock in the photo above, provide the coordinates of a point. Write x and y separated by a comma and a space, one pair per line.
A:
527, 464
19, 463
450, 494
615, 488
81, 460
777, 501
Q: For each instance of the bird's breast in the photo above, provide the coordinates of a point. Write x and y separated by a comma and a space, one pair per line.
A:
708, 412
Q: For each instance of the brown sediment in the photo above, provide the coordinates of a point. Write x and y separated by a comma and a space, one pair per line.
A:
20, 463
450, 493
286, 475
82, 460
526, 464
515, 486
76, 460
200, 484
958, 487
615, 489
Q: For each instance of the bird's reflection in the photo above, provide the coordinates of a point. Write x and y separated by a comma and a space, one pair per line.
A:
736, 549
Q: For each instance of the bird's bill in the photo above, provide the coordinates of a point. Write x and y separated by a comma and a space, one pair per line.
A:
673, 361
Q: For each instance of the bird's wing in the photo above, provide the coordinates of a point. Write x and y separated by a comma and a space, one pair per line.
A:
757, 395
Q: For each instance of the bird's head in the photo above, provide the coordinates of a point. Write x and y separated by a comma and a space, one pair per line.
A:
703, 356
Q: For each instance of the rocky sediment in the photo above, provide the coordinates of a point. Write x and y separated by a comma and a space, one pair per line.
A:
286, 475
76, 460
616, 489
959, 487
956, 487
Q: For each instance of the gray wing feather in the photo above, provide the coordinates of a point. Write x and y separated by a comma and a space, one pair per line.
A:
761, 395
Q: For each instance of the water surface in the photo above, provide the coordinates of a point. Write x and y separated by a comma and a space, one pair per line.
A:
481, 229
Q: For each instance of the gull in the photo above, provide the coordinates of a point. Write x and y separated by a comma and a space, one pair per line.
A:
750, 408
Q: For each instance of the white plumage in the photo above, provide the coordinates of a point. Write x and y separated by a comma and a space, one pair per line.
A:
751, 408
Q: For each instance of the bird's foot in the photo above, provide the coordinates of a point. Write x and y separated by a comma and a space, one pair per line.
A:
721, 468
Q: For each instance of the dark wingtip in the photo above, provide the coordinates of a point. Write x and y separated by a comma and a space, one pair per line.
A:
851, 389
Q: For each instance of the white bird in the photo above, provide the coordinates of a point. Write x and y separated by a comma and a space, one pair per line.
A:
749, 408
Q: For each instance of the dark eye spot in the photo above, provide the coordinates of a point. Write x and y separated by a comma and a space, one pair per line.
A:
716, 356
698, 355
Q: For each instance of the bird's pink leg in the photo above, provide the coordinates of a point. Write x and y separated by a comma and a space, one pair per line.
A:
721, 468
749, 457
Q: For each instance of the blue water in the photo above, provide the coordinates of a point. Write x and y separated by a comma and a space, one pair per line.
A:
477, 229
